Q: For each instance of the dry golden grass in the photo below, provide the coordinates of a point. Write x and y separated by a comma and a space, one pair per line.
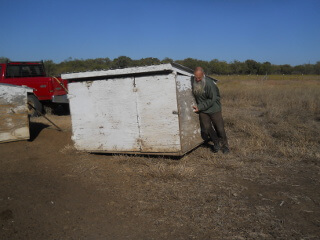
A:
266, 77
278, 117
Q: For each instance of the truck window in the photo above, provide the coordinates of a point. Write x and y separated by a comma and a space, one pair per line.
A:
14, 71
32, 71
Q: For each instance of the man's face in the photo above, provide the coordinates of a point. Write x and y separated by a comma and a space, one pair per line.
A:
198, 75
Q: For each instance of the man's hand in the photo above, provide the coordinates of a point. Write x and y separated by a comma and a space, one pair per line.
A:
195, 109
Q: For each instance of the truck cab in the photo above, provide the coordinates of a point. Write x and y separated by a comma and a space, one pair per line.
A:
46, 90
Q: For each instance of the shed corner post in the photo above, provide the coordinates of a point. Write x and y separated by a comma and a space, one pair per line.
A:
175, 74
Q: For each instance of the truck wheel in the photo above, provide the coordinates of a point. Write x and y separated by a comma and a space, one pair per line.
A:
33, 101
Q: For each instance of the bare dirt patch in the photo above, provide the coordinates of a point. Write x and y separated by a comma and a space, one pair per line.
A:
266, 188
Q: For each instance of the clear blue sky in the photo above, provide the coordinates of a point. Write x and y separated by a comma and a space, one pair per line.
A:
279, 31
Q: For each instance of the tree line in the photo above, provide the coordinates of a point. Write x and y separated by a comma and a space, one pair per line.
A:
211, 67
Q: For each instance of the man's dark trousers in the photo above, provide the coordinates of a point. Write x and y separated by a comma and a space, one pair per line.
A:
212, 126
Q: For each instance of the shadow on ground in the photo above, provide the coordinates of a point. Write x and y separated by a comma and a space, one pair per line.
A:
35, 129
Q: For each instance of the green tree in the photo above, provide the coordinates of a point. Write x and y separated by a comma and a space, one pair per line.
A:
122, 62
4, 59
237, 67
252, 66
167, 60
317, 68
286, 69
219, 67
147, 61
50, 67
265, 68
193, 63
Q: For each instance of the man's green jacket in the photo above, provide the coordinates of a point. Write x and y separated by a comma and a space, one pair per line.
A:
209, 100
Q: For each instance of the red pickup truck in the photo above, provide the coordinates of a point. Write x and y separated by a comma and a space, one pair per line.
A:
46, 90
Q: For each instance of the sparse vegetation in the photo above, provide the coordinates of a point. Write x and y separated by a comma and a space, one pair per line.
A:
278, 117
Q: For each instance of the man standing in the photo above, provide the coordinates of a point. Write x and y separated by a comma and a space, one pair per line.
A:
208, 107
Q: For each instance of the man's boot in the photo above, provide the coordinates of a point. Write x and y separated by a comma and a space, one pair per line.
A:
225, 149
216, 147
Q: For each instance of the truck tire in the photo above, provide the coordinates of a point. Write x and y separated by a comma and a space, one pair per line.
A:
33, 100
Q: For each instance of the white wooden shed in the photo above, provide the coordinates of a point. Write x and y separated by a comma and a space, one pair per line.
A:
14, 120
143, 110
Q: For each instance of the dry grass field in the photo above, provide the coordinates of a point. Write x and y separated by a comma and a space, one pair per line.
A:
280, 116
266, 188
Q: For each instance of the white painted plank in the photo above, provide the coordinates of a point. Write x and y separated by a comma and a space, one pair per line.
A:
189, 121
156, 100
104, 115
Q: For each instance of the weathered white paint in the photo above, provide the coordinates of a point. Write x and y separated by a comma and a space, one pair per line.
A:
157, 103
146, 112
183, 83
125, 71
104, 115
189, 121
14, 121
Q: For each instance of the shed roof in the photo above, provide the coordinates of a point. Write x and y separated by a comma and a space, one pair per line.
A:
169, 67
133, 71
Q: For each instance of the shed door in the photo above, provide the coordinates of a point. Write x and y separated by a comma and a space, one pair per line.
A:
157, 113
104, 115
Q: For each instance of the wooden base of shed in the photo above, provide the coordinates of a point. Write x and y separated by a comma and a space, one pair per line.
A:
175, 154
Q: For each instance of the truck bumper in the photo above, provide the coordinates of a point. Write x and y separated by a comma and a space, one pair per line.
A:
60, 99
